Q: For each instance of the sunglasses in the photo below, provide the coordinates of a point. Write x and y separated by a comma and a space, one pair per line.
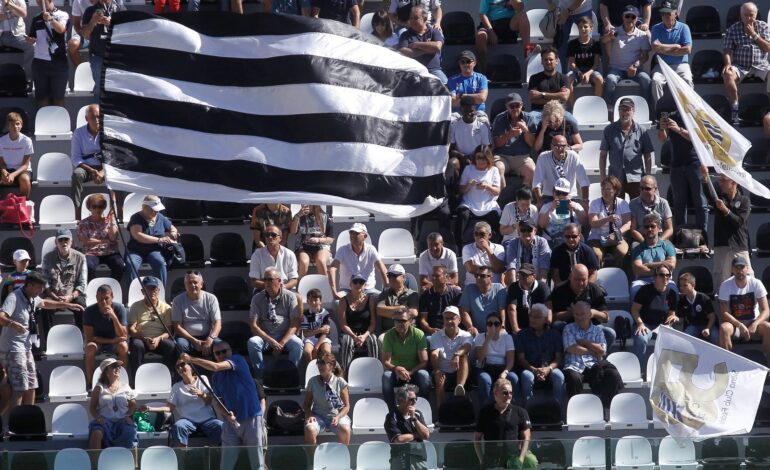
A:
647, 188
483, 276
465, 61
392, 275
571, 237
221, 352
494, 323
182, 365
525, 230
99, 207
515, 105
560, 193
272, 235
666, 275
479, 234
650, 227
629, 17
115, 366
269, 279
358, 281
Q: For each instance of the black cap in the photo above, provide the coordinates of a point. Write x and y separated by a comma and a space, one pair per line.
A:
667, 6
527, 269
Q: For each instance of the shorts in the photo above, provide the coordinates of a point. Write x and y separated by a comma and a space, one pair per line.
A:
737, 332
573, 78
109, 348
313, 340
82, 41
502, 28
50, 79
16, 181
752, 72
20, 370
515, 163
450, 380
323, 424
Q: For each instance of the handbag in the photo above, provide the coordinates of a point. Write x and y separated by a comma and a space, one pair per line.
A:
15, 210
548, 24
689, 237
173, 253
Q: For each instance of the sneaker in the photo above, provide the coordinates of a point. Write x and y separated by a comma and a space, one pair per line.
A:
736, 120
459, 391
531, 49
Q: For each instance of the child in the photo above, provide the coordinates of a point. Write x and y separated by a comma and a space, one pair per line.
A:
16, 156
516, 211
16, 279
315, 327
584, 57
696, 310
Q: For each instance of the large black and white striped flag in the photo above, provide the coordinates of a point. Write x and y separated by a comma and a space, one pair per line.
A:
269, 108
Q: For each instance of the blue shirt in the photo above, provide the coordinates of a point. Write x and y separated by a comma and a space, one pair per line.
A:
102, 325
572, 333
538, 254
162, 225
461, 85
516, 145
538, 350
479, 306
653, 254
83, 143
679, 34
237, 389
430, 61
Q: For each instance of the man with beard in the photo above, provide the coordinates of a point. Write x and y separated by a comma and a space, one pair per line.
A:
513, 139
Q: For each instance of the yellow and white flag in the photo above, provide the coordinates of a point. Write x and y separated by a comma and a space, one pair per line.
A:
700, 390
717, 143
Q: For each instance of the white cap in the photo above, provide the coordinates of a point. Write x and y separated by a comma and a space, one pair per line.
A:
153, 202
358, 227
562, 185
396, 269
20, 255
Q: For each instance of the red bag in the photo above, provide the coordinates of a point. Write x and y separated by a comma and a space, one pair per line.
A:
14, 210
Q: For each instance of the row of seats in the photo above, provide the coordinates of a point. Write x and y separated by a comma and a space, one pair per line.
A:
113, 458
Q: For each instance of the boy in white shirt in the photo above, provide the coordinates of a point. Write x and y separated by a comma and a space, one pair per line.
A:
16, 156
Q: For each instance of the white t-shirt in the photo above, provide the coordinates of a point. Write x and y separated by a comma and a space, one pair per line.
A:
190, 406
79, 6
448, 259
509, 218
285, 263
469, 136
598, 207
496, 349
448, 347
13, 151
351, 263
743, 302
480, 258
480, 201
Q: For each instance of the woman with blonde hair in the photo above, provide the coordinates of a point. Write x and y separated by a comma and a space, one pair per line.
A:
557, 121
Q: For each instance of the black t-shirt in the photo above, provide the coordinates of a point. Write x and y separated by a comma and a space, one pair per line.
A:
560, 259
395, 425
682, 151
496, 426
584, 53
434, 304
516, 295
655, 304
98, 38
552, 84
695, 313
563, 297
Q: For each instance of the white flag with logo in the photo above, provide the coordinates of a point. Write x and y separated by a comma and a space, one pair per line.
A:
716, 142
701, 390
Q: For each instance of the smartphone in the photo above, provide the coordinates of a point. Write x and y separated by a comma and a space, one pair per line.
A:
563, 207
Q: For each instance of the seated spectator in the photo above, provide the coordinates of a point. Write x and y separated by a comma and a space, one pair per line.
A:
650, 202
357, 313
584, 60
585, 347
290, 7
437, 255
611, 14
508, 427
573, 251
404, 358
610, 219
570, 12
513, 138
745, 47
468, 83
539, 355
501, 22
651, 254
629, 148
521, 295
696, 310
467, 131
480, 186
480, 300
423, 43
105, 328
315, 327
112, 404
672, 42
147, 331
313, 228
629, 51
15, 279
494, 355
356, 257
274, 318
406, 427
196, 317
344, 12
327, 402
98, 237
16, 153
527, 249
65, 272
273, 255
743, 304
578, 288
483, 252
86, 156
435, 300
550, 84
557, 163
382, 29
556, 121
450, 348
50, 69
396, 297
401, 10
555, 215
150, 231
516, 211
654, 305
270, 214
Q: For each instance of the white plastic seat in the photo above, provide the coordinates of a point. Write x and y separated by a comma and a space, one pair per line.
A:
628, 411
343, 238
123, 376
67, 383
534, 65
369, 416
331, 456
373, 456
650, 369
366, 23
585, 413
589, 155
64, 342
575, 32
673, 456
641, 111
615, 282
135, 291
54, 169
633, 452
349, 214
49, 244
159, 458
396, 245
131, 205
84, 212
423, 406
311, 371
365, 375
534, 16
52, 123
80, 119
69, 421
320, 282
152, 381
431, 456
628, 366
57, 211
84, 80
591, 113
116, 458
588, 453
152, 435
594, 191
94, 285
72, 459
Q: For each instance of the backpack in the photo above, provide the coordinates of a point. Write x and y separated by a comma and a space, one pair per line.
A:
285, 418
623, 330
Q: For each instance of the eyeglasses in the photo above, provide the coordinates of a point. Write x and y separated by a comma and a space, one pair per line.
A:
494, 323
629, 17
479, 234
571, 237
465, 61
268, 279
666, 275
272, 235
483, 276
559, 146
647, 188
506, 393
182, 365
221, 352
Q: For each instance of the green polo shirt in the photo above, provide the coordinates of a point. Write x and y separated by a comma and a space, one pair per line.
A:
404, 352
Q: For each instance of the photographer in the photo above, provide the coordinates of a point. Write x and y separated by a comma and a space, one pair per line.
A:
95, 23
50, 69
86, 156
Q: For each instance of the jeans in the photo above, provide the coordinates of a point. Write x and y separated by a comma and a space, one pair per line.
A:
695, 331
438, 73
256, 346
615, 75
484, 381
556, 377
8, 39
154, 258
640, 343
182, 428
114, 262
688, 185
96, 72
390, 381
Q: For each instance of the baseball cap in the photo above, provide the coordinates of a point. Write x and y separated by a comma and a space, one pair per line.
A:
740, 261
151, 281
452, 309
526, 223
466, 54
562, 185
153, 203
513, 98
396, 269
108, 362
632, 10
358, 277
358, 227
628, 102
667, 6
20, 255
527, 269
63, 233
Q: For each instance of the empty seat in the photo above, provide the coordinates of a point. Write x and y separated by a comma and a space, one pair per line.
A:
758, 156
67, 383
316, 281
676, 455
193, 250
11, 244
458, 27
72, 459
633, 453
628, 411
26, 423
373, 456
52, 123
64, 342
94, 285
115, 458
84, 80
228, 249
365, 375
759, 203
752, 107
331, 456
615, 283
54, 169
591, 113
232, 292
720, 453
13, 81
159, 458
503, 71
369, 416
628, 366
396, 246
707, 66
535, 15
585, 412
153, 381
589, 155
135, 291
69, 421
221, 213
57, 211
704, 22
183, 211
589, 453
349, 214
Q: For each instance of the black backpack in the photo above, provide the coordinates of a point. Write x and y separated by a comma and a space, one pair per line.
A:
623, 330
285, 418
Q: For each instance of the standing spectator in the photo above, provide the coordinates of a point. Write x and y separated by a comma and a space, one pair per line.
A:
112, 405
569, 13
649, 202
346, 11
104, 325
148, 332
696, 310
584, 60
450, 349
273, 255
495, 355
480, 186
500, 21
528, 249
483, 253
313, 228
513, 139
357, 313
550, 84
195, 316
327, 402
539, 355
437, 255
270, 214
400, 10
731, 225
78, 39
652, 253
95, 25
396, 297
404, 358
611, 13
98, 237
556, 214
743, 304
610, 219
629, 148
672, 42
515, 212
435, 300
522, 295
467, 132
65, 272
16, 156
654, 305
86, 155
274, 318
150, 231
356, 257
745, 48
468, 83
290, 7
577, 288
160, 5
556, 121
405, 426
630, 47
481, 300
573, 251
49, 68
382, 29
423, 43
12, 31
559, 163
